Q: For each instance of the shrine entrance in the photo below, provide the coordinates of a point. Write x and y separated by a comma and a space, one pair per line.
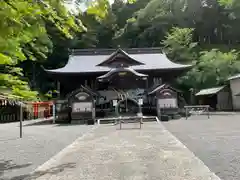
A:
127, 107
121, 84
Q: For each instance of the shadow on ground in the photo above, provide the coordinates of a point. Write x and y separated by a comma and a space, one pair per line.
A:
44, 122
8, 139
48, 122
7, 165
68, 124
128, 128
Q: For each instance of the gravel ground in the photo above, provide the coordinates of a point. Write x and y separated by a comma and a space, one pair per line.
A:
107, 153
216, 141
40, 142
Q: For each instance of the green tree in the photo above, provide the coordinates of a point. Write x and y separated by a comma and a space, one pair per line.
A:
23, 35
212, 69
179, 45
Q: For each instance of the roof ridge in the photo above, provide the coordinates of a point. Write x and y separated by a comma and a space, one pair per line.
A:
103, 51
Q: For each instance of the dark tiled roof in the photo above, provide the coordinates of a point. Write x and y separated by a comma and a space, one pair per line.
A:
77, 52
85, 61
237, 76
238, 94
86, 89
157, 88
120, 53
209, 91
161, 87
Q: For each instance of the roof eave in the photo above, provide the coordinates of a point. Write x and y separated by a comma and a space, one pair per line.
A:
54, 71
213, 93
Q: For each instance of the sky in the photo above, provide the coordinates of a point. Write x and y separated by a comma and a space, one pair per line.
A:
83, 7
71, 6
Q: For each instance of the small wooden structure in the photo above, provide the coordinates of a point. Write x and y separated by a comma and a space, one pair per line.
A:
166, 99
62, 111
40, 109
218, 98
82, 105
234, 83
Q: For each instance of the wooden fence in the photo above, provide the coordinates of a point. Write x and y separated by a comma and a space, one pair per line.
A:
10, 110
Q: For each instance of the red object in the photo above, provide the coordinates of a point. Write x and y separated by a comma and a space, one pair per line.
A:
47, 104
35, 110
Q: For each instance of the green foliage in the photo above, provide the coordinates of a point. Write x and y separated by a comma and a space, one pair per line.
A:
100, 8
200, 32
179, 46
23, 35
212, 69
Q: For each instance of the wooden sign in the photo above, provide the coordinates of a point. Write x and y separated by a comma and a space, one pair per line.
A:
114, 102
122, 73
140, 101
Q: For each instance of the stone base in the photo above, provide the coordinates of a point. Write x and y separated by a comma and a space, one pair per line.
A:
164, 118
83, 121
78, 122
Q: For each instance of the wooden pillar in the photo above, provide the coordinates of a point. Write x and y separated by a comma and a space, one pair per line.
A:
96, 85
146, 83
92, 84
58, 89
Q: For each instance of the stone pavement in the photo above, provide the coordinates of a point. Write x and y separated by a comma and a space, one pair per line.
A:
106, 153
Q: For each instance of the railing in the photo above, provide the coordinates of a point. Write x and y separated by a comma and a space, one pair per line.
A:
124, 119
11, 113
197, 110
15, 116
130, 120
119, 94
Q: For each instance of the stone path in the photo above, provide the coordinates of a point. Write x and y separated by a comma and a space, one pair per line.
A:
150, 153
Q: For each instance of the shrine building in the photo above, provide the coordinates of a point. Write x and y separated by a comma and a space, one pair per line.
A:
95, 80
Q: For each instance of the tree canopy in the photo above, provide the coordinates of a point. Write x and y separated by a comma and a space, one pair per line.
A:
35, 33
24, 35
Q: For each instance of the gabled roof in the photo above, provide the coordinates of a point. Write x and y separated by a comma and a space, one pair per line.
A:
237, 76
238, 94
86, 61
122, 54
209, 91
85, 89
157, 88
161, 87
